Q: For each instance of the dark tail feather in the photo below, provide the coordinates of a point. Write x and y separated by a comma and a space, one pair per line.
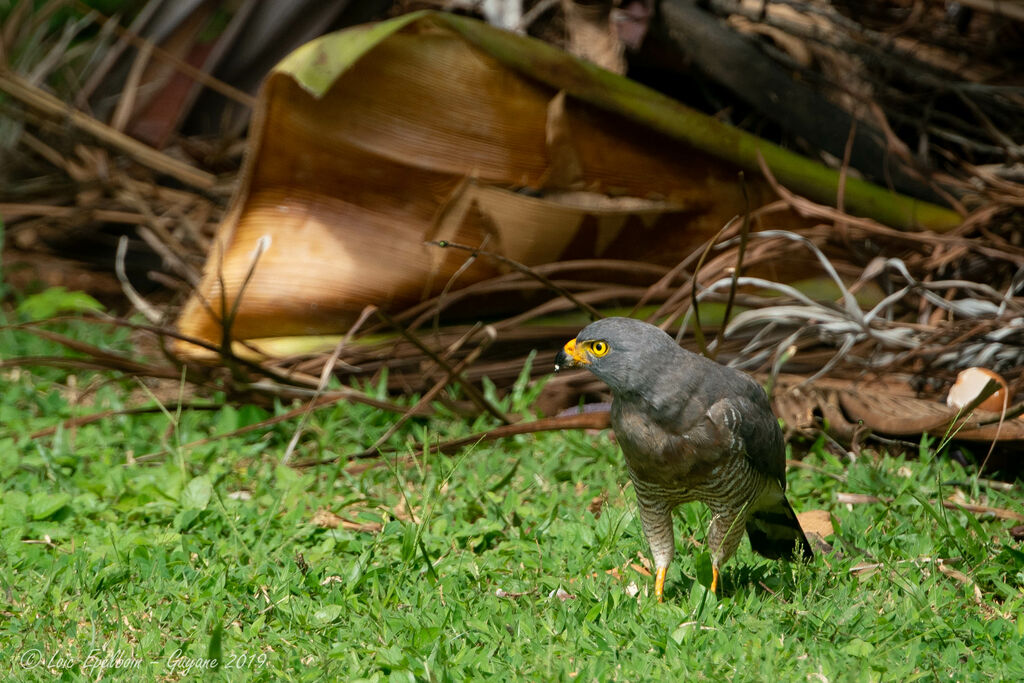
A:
776, 533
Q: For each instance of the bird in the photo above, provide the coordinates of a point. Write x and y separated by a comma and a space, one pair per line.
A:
691, 429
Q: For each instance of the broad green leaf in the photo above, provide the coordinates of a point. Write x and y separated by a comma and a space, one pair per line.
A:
54, 300
197, 493
44, 505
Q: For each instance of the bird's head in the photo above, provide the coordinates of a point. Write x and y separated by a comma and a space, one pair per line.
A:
623, 352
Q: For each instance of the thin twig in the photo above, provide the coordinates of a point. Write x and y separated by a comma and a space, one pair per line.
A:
424, 401
698, 333
525, 270
741, 251
471, 391
147, 309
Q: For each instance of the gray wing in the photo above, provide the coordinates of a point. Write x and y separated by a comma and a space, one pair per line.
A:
749, 427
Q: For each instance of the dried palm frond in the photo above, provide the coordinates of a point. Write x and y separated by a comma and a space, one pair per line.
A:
372, 142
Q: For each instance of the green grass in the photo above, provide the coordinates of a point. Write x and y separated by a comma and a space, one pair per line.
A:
213, 552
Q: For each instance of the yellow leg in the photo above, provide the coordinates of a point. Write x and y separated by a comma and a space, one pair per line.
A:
659, 584
714, 579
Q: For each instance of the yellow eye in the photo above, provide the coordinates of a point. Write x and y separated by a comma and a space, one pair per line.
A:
599, 348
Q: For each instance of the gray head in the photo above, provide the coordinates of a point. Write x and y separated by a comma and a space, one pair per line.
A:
626, 354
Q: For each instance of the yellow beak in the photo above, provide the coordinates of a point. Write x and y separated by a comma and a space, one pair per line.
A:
571, 357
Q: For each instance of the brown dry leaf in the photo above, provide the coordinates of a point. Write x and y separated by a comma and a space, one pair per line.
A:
817, 522
363, 527
596, 503
961, 577
886, 407
326, 519
859, 498
561, 594
645, 562
402, 512
865, 568
796, 408
987, 427
817, 526
979, 600
970, 383
640, 569
891, 414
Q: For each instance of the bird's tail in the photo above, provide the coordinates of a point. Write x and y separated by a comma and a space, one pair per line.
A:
775, 533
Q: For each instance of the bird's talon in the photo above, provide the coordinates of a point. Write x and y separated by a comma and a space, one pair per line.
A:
714, 580
659, 584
